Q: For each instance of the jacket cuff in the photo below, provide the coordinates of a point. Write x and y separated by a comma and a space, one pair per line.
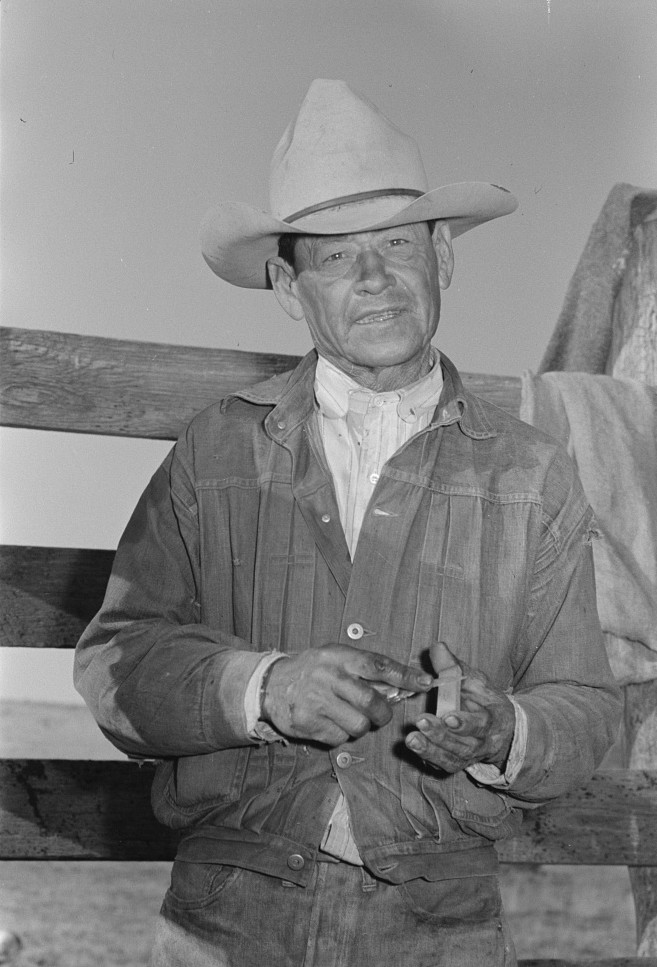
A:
223, 715
258, 729
488, 774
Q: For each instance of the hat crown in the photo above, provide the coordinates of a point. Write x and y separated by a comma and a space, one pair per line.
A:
340, 145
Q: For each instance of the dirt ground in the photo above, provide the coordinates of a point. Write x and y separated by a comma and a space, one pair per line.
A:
88, 914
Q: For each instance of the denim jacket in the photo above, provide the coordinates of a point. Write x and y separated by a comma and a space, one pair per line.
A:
478, 534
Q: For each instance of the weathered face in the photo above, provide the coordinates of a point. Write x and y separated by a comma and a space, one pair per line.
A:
370, 299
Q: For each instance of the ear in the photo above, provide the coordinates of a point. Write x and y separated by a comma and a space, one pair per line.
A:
283, 281
442, 243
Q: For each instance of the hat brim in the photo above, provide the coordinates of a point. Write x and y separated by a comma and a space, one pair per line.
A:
237, 240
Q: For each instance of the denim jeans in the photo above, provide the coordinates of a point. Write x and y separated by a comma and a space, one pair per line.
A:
219, 916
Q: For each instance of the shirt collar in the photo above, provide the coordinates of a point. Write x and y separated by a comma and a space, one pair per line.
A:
336, 391
292, 398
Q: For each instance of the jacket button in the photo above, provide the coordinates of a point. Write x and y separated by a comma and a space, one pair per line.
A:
344, 759
281, 424
326, 518
296, 861
355, 631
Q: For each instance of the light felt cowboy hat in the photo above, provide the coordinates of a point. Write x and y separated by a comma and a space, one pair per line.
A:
340, 167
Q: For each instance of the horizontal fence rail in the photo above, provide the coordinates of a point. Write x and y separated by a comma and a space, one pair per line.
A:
115, 387
48, 595
605, 962
70, 809
89, 384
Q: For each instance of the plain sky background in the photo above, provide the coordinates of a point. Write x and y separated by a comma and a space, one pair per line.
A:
124, 121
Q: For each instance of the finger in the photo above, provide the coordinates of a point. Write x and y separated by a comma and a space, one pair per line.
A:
391, 693
471, 705
380, 668
336, 723
474, 724
451, 739
441, 657
364, 700
318, 726
448, 757
354, 721
437, 745
327, 732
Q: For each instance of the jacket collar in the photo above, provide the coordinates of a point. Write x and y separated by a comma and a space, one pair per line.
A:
292, 397
456, 405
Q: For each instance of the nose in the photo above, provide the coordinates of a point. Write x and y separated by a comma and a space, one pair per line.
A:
373, 273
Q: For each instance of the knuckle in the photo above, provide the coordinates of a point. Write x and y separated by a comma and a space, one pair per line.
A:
380, 665
386, 668
376, 708
370, 697
361, 725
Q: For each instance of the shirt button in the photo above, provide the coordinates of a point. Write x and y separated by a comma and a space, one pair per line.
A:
355, 631
296, 861
374, 477
379, 401
343, 760
326, 518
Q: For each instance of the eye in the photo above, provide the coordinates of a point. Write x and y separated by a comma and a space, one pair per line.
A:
400, 247
335, 257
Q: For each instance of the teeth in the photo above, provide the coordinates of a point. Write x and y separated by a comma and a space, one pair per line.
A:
380, 316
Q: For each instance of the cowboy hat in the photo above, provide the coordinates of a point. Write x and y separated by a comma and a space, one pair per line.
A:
341, 167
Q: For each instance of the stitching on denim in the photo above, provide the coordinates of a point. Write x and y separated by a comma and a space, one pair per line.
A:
243, 483
452, 490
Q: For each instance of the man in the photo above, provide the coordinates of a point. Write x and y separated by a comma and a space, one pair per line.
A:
317, 551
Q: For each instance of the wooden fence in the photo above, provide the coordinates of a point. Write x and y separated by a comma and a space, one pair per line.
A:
67, 809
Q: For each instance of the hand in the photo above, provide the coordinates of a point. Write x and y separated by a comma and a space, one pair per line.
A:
329, 694
481, 731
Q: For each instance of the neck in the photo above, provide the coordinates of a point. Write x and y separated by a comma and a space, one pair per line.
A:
382, 379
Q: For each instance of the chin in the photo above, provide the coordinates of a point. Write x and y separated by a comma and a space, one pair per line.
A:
379, 356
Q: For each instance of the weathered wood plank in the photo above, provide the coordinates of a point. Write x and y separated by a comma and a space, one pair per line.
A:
89, 384
48, 595
67, 809
504, 391
611, 819
604, 962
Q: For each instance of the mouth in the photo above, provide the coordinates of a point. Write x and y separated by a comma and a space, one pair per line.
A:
378, 316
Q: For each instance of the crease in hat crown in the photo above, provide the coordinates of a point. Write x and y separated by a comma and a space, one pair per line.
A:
340, 167
339, 146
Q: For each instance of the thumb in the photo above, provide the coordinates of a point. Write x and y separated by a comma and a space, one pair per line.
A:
441, 657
